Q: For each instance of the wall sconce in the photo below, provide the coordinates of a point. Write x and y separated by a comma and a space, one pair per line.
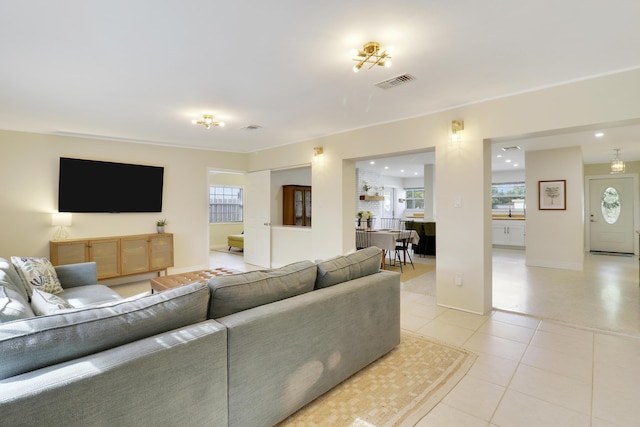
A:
457, 126
61, 220
318, 151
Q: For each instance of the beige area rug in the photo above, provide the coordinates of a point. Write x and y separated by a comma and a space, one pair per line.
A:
409, 273
398, 389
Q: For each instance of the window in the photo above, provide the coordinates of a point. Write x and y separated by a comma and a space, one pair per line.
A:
508, 197
225, 204
415, 198
610, 205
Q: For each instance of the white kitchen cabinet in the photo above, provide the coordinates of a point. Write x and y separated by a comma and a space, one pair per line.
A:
508, 232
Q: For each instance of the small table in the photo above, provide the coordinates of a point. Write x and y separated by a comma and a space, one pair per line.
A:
162, 283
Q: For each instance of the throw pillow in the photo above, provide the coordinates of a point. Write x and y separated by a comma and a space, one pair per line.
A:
37, 273
46, 303
13, 306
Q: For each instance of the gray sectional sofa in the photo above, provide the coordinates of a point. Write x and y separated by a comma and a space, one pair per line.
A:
243, 350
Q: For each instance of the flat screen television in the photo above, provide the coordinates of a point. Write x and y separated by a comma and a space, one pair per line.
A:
97, 186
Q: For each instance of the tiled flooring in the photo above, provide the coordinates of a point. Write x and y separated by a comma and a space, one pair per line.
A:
532, 371
555, 364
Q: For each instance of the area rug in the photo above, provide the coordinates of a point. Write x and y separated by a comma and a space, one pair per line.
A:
398, 389
409, 273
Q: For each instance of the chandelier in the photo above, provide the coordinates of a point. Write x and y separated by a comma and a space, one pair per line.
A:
617, 164
207, 121
371, 54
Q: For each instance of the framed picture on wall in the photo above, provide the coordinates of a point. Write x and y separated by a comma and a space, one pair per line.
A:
552, 195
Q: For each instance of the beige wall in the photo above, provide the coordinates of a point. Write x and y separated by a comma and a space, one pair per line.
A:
29, 176
462, 172
555, 238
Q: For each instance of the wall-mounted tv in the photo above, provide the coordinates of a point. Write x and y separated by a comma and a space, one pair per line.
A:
97, 186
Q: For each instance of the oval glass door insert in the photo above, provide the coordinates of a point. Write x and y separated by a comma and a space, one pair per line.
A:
610, 205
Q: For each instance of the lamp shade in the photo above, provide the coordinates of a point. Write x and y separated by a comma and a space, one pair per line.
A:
62, 219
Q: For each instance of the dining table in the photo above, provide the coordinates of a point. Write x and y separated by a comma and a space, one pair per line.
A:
386, 239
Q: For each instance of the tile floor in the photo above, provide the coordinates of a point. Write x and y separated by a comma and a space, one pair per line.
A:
532, 371
561, 349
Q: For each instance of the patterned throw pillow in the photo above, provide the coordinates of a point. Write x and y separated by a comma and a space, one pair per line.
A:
37, 273
45, 303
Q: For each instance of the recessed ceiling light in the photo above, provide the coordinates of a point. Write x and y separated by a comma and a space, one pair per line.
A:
515, 164
372, 162
499, 156
415, 173
401, 170
599, 134
508, 161
386, 167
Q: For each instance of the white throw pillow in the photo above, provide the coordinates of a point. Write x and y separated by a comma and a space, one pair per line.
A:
45, 303
37, 273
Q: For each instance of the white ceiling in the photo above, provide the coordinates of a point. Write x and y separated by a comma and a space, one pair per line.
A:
142, 70
595, 149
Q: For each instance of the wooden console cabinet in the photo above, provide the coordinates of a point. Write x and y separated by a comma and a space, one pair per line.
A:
117, 256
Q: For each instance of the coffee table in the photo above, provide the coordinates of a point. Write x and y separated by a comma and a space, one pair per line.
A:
162, 283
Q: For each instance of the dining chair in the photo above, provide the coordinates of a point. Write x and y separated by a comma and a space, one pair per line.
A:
389, 224
401, 253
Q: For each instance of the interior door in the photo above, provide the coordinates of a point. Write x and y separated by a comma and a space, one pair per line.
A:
257, 219
611, 215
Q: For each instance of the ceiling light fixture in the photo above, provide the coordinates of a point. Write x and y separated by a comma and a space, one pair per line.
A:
207, 121
617, 164
371, 54
515, 147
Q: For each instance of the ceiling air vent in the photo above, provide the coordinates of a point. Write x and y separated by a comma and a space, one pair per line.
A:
396, 81
252, 127
515, 147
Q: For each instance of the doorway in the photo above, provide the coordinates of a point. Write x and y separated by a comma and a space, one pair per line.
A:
611, 210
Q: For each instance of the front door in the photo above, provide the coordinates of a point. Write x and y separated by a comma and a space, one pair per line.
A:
611, 215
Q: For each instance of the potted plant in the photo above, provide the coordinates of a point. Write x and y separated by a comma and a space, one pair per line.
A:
366, 215
365, 187
160, 225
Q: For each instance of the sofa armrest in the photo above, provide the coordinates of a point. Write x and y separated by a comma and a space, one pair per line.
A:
72, 275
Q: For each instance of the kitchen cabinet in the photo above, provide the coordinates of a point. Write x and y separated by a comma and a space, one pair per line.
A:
508, 232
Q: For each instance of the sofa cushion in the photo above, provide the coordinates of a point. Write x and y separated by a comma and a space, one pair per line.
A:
46, 303
348, 267
37, 273
90, 295
238, 292
9, 278
41, 341
13, 306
